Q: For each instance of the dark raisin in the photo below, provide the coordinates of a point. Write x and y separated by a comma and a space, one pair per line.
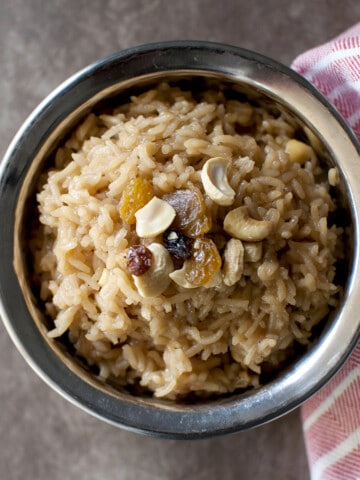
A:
177, 244
139, 260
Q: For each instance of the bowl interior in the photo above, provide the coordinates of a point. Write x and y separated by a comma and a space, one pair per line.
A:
77, 381
26, 208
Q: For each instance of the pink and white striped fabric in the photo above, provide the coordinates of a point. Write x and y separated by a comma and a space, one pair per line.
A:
331, 418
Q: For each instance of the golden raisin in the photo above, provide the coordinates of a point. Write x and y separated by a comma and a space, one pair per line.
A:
137, 193
204, 262
191, 218
139, 260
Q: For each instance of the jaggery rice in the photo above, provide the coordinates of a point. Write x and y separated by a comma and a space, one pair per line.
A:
265, 295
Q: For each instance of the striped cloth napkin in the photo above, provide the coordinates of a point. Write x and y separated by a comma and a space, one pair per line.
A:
331, 418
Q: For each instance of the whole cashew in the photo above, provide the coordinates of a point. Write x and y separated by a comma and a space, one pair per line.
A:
239, 224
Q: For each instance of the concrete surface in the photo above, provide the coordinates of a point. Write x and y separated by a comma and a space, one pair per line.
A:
42, 42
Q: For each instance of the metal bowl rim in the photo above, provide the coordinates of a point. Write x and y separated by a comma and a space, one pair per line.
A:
154, 418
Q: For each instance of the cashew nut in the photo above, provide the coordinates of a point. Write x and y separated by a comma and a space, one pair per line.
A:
298, 152
233, 262
215, 181
252, 251
156, 280
178, 276
238, 224
268, 269
154, 218
333, 177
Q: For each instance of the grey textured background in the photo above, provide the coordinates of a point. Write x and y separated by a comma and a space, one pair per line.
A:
41, 43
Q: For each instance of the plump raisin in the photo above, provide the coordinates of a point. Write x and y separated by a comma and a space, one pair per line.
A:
191, 218
204, 262
177, 244
139, 260
137, 193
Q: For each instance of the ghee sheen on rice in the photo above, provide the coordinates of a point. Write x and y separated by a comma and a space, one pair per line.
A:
253, 297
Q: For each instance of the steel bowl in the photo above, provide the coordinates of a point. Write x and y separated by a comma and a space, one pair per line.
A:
198, 65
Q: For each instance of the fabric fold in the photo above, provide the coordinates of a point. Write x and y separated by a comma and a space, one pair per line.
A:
331, 418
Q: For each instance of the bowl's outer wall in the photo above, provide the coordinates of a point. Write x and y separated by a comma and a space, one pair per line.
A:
109, 76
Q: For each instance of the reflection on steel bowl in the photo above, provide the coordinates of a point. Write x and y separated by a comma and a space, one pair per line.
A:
185, 239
